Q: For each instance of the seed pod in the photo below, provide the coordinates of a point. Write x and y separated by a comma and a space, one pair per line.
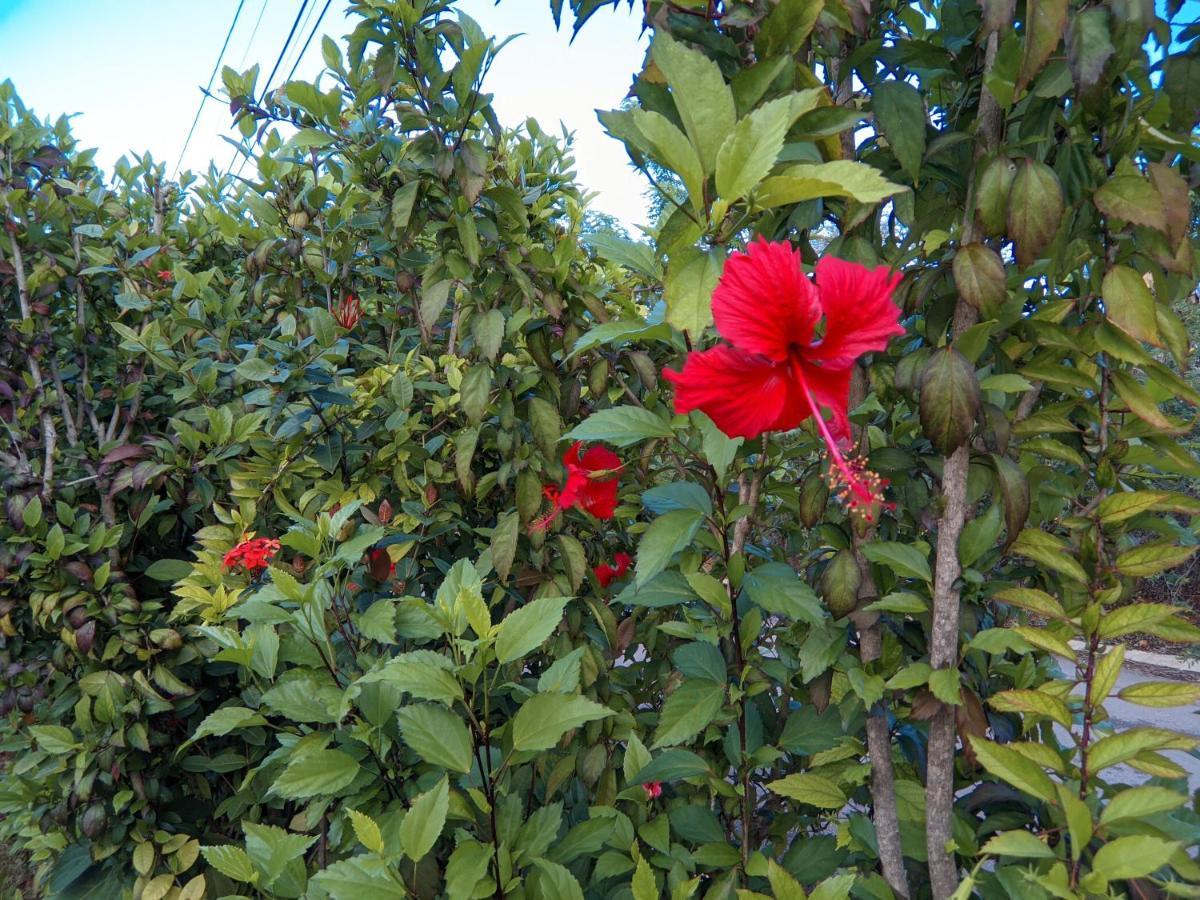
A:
598, 378
529, 496
840, 583
569, 404
979, 278
992, 188
167, 638
93, 821
85, 636
298, 219
535, 342
814, 495
1035, 209
949, 400
405, 281
644, 366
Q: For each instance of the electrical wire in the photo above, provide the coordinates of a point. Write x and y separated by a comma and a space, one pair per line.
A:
303, 25
208, 88
308, 40
253, 33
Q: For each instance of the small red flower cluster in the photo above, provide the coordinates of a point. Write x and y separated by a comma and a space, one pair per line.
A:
165, 275
776, 372
606, 574
252, 555
591, 485
348, 312
653, 789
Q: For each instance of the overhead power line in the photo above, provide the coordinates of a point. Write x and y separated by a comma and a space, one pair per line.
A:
253, 33
208, 88
308, 40
282, 51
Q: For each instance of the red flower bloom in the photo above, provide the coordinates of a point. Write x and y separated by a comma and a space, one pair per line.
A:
348, 312
380, 565
653, 789
776, 372
591, 485
252, 555
606, 574
165, 275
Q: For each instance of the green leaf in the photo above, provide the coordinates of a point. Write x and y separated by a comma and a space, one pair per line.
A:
811, 181
225, 720
358, 878
779, 590
672, 765
315, 773
1132, 856
946, 685
979, 536
1129, 304
437, 735
636, 255
1019, 771
434, 297
1135, 617
466, 868
555, 882
687, 711
255, 369
642, 886
402, 204
1141, 803
621, 426
1017, 843
702, 98
672, 149
271, 849
421, 673
1125, 745
783, 885
1032, 703
230, 861
57, 740
692, 274
1033, 600
544, 718
677, 495
1079, 819
563, 676
366, 830
527, 627
1161, 693
1050, 551
751, 149
815, 790
168, 569
475, 389
1140, 402
666, 536
1134, 199
1150, 559
424, 821
903, 559
786, 27
900, 114
698, 659
1044, 26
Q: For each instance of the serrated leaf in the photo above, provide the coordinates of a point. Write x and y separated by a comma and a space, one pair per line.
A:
1140, 803
815, 790
230, 861
1049, 551
544, 718
900, 114
692, 274
903, 559
1134, 199
424, 821
749, 151
437, 735
687, 711
315, 773
1019, 771
1161, 693
702, 98
1132, 856
1017, 843
366, 830
811, 181
526, 628
621, 426
666, 536
1129, 304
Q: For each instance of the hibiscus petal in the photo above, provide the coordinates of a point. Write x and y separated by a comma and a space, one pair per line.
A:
860, 316
600, 459
744, 395
599, 498
830, 388
764, 303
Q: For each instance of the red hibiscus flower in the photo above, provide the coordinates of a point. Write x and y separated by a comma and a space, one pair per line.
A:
591, 485
777, 371
653, 789
165, 275
252, 555
606, 574
348, 312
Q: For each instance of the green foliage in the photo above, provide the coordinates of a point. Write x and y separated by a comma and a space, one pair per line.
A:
377, 350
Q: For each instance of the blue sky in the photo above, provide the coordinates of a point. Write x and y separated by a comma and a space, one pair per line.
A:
132, 69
